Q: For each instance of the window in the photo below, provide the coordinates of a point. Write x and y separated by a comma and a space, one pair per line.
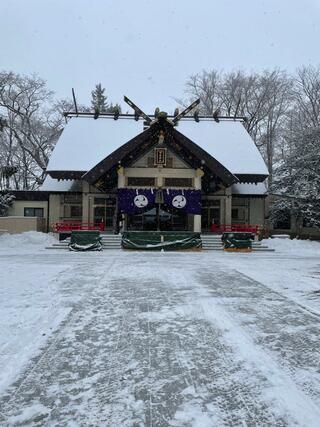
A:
39, 212
75, 211
141, 181
178, 182
238, 214
72, 211
235, 214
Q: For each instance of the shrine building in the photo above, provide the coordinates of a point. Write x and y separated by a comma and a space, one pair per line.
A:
168, 173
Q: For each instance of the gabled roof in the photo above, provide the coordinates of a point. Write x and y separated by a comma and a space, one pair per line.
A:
86, 143
228, 142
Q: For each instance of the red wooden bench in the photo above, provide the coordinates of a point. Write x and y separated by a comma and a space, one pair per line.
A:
68, 226
245, 228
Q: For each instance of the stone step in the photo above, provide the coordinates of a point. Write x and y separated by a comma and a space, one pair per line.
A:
104, 239
111, 239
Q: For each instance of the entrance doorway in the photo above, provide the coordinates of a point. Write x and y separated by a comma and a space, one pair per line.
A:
104, 211
210, 213
169, 220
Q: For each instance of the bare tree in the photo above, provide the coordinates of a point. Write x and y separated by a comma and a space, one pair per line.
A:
27, 139
263, 98
307, 96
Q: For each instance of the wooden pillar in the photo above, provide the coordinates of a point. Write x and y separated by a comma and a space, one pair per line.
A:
85, 202
228, 206
197, 185
121, 184
121, 177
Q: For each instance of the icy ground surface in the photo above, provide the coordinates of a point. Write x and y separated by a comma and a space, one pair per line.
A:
159, 339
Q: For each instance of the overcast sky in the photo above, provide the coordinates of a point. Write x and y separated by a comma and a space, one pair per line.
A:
147, 49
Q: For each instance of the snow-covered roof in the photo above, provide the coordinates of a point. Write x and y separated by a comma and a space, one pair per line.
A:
51, 184
258, 189
84, 142
228, 142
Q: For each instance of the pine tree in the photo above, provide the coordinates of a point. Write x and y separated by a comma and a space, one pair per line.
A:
298, 177
99, 100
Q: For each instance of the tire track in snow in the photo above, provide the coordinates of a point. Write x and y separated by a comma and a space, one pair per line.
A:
40, 362
144, 331
279, 326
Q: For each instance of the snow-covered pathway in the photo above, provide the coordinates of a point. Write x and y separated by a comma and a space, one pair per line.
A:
162, 339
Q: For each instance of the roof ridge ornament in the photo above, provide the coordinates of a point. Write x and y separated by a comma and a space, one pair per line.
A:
137, 111
185, 111
162, 115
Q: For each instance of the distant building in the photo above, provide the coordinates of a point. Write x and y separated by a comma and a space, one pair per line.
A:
197, 176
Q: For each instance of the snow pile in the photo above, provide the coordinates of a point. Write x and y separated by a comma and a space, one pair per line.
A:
294, 247
26, 241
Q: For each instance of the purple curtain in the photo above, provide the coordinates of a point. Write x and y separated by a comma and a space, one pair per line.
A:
135, 201
188, 201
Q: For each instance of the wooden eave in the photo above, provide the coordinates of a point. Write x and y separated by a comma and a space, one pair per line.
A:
251, 178
37, 195
66, 174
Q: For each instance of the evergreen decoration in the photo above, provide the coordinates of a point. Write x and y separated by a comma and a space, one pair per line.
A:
216, 114
116, 114
96, 113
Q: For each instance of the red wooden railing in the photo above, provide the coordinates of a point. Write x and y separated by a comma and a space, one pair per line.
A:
68, 226
245, 228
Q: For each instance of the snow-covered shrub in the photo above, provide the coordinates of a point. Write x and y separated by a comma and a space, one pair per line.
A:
6, 200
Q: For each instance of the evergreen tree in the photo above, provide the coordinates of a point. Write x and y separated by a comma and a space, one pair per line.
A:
298, 177
99, 100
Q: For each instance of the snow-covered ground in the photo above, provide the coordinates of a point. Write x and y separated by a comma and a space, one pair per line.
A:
159, 339
293, 270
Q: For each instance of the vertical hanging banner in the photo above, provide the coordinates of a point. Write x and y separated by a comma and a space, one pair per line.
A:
188, 201
133, 201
